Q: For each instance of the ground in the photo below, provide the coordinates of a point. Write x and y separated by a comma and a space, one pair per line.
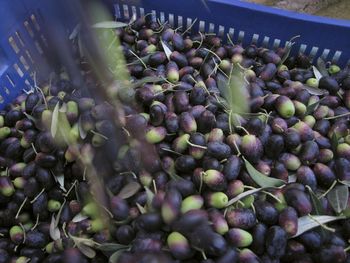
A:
331, 8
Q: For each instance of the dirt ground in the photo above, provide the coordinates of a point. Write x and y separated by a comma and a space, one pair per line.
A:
340, 9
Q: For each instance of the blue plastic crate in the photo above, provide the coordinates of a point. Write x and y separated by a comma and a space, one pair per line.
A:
23, 45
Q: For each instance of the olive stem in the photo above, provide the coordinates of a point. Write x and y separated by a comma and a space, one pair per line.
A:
213, 53
244, 129
322, 225
38, 195
201, 182
70, 189
154, 186
142, 62
24, 232
21, 206
274, 197
36, 222
99, 134
337, 116
196, 145
189, 28
35, 151
64, 229
347, 249
229, 39
329, 189
171, 151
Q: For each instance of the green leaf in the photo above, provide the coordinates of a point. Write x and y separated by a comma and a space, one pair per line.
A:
111, 247
79, 217
314, 91
334, 142
109, 25
54, 120
317, 208
345, 182
307, 223
86, 250
129, 190
144, 80
288, 48
55, 233
75, 32
317, 73
238, 93
144, 59
321, 66
245, 194
261, 179
115, 256
338, 197
311, 108
150, 196
166, 49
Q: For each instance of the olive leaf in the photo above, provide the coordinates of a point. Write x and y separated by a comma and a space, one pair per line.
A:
314, 91
143, 59
115, 256
288, 48
82, 132
334, 142
338, 197
345, 182
292, 178
311, 108
78, 218
129, 190
111, 247
307, 223
317, 73
54, 231
317, 207
144, 80
150, 196
166, 49
75, 32
54, 121
261, 179
141, 208
86, 250
321, 67
245, 194
60, 180
109, 25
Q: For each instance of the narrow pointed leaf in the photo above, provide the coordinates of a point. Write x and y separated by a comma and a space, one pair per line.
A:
311, 108
314, 91
86, 250
141, 208
109, 24
111, 247
54, 121
82, 132
317, 208
288, 48
321, 66
166, 49
115, 256
78, 218
144, 80
75, 32
307, 223
338, 197
244, 194
261, 179
317, 73
54, 231
129, 190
